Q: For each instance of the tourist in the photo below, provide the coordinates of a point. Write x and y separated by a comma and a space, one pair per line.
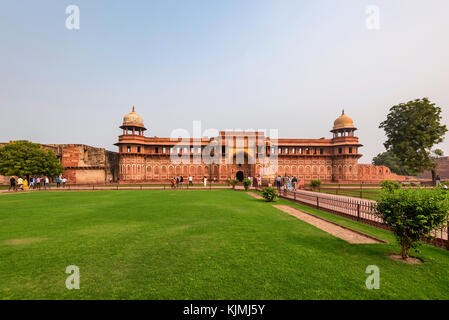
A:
58, 182
20, 183
110, 180
190, 181
64, 182
278, 183
25, 184
205, 181
294, 182
118, 180
12, 184
34, 182
259, 181
438, 180
38, 183
172, 183
47, 183
215, 180
181, 181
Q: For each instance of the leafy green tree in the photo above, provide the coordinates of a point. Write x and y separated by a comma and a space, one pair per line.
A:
412, 214
412, 129
24, 158
389, 160
391, 185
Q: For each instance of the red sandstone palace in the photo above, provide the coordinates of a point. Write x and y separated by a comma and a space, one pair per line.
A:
244, 154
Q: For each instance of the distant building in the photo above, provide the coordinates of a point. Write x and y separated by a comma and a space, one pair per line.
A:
150, 159
83, 164
442, 169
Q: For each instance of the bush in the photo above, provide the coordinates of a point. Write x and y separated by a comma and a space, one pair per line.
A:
270, 194
391, 185
246, 184
315, 183
233, 182
412, 214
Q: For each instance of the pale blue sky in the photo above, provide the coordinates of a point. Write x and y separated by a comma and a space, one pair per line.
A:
289, 65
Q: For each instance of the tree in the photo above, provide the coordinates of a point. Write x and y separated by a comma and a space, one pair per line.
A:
389, 160
437, 153
412, 214
412, 129
24, 158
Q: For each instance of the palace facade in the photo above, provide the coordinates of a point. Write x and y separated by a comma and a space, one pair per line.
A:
244, 154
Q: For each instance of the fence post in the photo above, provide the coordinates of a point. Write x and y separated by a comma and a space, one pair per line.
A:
447, 231
358, 211
317, 202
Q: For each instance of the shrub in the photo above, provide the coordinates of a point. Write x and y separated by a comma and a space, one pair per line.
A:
246, 184
315, 183
412, 214
390, 185
233, 182
270, 194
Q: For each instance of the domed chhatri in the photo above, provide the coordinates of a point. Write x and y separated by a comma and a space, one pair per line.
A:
132, 119
343, 122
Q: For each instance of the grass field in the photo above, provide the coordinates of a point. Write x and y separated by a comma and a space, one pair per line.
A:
219, 244
372, 194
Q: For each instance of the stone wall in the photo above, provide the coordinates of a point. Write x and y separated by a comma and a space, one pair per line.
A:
83, 164
442, 169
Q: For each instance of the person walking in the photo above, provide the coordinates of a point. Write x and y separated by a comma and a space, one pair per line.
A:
190, 181
47, 183
12, 184
181, 181
25, 184
38, 183
205, 181
278, 183
438, 180
58, 182
294, 182
64, 181
20, 183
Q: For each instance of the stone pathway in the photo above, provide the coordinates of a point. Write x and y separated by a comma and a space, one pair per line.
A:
334, 229
254, 195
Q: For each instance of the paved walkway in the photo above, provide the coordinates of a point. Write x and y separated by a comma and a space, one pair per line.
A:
334, 229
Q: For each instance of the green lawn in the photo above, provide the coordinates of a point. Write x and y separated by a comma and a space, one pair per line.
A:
219, 244
372, 194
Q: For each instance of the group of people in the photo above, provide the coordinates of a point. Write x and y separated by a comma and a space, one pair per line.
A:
178, 181
34, 182
288, 183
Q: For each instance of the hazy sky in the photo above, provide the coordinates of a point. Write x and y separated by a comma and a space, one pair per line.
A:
278, 64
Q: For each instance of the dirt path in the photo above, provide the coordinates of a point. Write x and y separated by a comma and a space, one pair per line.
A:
329, 227
254, 195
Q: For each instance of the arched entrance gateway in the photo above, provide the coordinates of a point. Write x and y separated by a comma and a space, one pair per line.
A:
242, 166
